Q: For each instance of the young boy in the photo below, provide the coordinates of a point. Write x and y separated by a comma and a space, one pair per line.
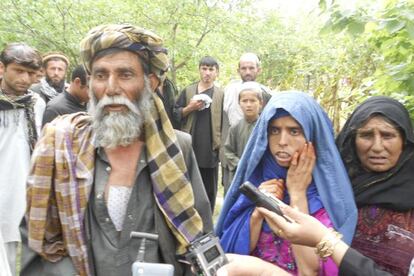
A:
251, 102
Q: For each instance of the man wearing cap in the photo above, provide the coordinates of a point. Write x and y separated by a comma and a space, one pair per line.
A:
55, 66
248, 69
198, 109
122, 168
71, 101
21, 113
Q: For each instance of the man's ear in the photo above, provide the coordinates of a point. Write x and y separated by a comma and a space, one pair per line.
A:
2, 67
77, 81
154, 82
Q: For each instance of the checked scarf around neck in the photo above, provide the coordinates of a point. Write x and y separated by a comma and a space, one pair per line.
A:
48, 90
61, 179
27, 103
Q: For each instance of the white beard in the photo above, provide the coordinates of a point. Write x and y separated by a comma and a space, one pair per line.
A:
113, 129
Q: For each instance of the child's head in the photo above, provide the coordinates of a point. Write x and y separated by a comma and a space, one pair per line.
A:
250, 100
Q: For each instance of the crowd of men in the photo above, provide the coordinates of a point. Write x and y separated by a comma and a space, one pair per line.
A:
73, 187
118, 149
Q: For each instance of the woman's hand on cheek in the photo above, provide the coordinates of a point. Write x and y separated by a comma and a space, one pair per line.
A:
299, 175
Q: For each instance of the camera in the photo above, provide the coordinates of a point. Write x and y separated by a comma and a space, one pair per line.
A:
206, 255
262, 199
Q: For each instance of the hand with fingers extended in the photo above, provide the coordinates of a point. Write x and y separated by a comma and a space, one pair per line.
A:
303, 230
299, 175
276, 187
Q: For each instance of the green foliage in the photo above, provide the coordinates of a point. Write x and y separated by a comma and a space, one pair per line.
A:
191, 29
389, 32
340, 56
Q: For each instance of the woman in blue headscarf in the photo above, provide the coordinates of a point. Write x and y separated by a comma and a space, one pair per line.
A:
280, 158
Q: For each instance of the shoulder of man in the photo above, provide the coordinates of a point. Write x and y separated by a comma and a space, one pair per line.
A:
56, 101
70, 123
169, 89
183, 138
60, 97
232, 85
191, 86
37, 87
265, 89
185, 143
219, 89
39, 102
189, 90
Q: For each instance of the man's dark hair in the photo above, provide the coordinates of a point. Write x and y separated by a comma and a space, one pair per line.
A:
22, 54
208, 61
80, 72
112, 51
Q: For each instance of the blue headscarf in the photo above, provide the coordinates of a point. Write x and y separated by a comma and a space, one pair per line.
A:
330, 187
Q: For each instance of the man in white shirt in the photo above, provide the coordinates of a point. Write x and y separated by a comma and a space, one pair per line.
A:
249, 69
21, 112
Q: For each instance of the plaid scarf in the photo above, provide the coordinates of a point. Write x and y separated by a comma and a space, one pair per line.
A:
27, 102
61, 179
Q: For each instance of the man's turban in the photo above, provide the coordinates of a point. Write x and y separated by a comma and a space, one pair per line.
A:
145, 43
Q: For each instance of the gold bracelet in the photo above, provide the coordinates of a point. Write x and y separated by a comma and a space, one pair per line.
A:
326, 246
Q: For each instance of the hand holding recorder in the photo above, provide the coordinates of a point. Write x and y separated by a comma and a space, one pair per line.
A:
263, 199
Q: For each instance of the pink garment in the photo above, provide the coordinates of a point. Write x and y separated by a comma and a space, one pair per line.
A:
277, 251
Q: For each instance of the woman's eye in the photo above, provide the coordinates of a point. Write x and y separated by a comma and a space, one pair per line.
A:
388, 135
274, 131
365, 135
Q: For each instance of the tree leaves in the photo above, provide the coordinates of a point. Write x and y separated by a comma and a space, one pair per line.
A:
340, 56
389, 32
392, 25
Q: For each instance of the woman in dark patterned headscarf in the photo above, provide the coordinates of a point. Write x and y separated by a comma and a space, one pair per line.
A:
377, 146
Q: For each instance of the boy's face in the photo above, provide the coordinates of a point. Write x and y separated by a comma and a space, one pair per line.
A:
250, 105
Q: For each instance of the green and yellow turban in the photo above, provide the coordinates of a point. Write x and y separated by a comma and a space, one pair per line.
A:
145, 43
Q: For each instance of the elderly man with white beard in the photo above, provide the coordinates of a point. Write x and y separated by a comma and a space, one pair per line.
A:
122, 168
